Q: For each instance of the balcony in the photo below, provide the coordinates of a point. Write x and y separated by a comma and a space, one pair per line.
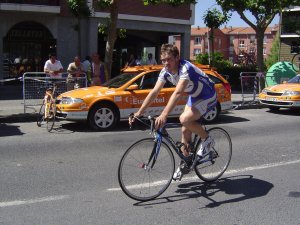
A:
33, 2
40, 6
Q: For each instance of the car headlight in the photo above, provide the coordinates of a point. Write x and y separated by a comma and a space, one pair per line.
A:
264, 91
68, 100
289, 93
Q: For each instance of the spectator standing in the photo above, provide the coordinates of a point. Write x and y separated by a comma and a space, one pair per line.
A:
139, 61
75, 70
86, 64
151, 60
131, 60
98, 74
53, 66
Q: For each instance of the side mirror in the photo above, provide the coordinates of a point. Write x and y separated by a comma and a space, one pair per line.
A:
132, 87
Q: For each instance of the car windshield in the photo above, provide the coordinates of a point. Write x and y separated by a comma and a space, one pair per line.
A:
295, 80
119, 80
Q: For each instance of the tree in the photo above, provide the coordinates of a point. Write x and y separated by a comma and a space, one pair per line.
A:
79, 9
213, 19
263, 11
273, 57
112, 31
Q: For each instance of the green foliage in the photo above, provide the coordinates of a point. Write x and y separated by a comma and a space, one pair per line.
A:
79, 8
219, 61
225, 67
213, 18
274, 53
103, 29
170, 2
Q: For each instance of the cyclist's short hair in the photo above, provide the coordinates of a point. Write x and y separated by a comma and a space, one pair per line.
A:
169, 49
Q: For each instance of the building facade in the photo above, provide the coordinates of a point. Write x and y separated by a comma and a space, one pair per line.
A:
31, 29
238, 44
290, 32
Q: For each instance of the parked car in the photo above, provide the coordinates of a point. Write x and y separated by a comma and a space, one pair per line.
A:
286, 95
104, 106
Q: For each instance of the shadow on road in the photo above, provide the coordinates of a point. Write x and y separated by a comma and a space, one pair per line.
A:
123, 125
237, 188
287, 112
9, 130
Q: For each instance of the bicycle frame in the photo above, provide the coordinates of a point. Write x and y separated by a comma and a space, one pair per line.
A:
161, 135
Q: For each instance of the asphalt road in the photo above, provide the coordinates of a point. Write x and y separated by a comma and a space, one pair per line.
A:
70, 176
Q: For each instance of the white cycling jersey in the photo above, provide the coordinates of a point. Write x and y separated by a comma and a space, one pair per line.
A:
199, 88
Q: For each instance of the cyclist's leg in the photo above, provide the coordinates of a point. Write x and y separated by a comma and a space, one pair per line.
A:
189, 119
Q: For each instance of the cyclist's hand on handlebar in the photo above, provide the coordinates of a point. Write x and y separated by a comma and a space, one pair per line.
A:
132, 117
160, 121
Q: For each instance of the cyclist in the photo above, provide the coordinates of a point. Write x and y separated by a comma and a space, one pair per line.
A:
202, 99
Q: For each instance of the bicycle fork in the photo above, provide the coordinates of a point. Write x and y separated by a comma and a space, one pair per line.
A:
154, 154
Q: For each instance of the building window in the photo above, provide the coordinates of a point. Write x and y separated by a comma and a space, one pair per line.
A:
264, 51
197, 51
252, 39
197, 41
265, 39
232, 40
252, 50
242, 43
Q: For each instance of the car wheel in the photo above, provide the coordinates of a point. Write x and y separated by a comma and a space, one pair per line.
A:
213, 115
274, 108
103, 116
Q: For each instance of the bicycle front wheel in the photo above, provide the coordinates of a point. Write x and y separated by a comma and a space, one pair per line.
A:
41, 116
141, 176
51, 116
214, 165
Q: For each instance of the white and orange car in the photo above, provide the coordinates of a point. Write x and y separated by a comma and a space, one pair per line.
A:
286, 95
104, 106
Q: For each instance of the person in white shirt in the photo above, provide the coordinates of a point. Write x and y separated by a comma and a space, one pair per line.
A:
53, 66
86, 64
151, 60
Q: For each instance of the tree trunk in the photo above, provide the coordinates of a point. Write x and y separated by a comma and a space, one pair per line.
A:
260, 32
111, 36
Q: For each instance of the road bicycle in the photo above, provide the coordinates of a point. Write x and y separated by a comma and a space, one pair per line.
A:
147, 166
47, 112
296, 62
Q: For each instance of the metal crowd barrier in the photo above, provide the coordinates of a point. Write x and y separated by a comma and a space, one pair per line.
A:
251, 83
35, 85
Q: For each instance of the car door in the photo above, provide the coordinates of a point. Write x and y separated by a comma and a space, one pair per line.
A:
146, 83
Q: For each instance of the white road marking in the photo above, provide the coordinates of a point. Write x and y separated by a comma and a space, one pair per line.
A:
233, 171
32, 201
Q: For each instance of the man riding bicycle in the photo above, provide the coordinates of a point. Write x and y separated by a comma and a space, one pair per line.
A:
202, 99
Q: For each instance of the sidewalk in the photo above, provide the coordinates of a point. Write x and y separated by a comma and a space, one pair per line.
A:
12, 105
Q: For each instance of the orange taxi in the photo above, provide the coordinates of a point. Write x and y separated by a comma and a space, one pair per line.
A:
104, 106
286, 95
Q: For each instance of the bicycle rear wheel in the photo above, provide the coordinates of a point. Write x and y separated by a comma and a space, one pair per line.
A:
40, 120
51, 116
138, 177
296, 62
214, 165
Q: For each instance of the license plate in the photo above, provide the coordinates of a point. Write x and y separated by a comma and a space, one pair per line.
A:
272, 99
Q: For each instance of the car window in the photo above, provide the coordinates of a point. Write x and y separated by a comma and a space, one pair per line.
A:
120, 80
214, 79
148, 81
295, 80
